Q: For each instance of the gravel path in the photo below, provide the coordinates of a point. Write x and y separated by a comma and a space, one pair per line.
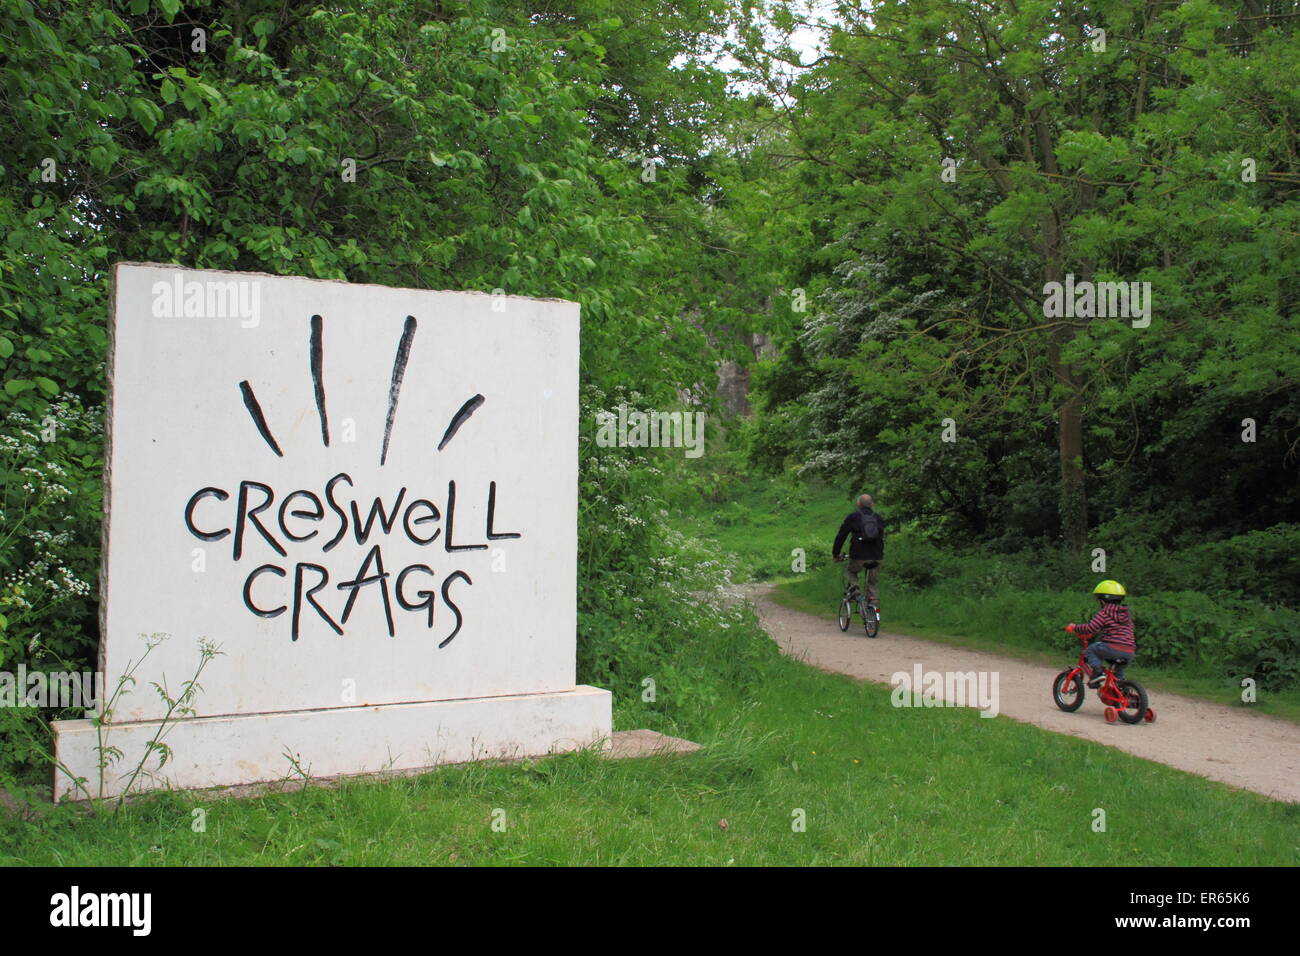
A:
1237, 747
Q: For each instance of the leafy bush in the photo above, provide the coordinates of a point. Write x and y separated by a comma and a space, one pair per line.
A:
1180, 626
914, 563
50, 495
1264, 565
644, 607
1233, 636
1265, 646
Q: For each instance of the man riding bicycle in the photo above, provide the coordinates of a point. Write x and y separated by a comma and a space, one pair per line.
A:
866, 547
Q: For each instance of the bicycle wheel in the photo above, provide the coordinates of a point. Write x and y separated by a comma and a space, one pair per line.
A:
846, 614
1068, 691
1135, 702
870, 623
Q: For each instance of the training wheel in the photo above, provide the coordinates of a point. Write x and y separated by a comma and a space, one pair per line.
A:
1149, 716
1111, 715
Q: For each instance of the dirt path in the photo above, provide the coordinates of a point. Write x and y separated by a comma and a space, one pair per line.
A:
1246, 750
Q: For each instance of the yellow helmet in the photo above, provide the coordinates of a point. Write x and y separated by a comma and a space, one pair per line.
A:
1110, 587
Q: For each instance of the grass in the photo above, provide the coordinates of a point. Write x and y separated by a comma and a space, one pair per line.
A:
876, 785
764, 522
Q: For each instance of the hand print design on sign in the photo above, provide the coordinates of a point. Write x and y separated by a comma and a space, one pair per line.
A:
317, 352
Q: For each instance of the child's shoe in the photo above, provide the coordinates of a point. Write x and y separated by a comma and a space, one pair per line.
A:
1097, 681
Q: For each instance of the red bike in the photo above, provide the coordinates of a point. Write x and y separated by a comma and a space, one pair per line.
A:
1124, 700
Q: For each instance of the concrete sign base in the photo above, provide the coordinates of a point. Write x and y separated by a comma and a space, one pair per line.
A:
262, 748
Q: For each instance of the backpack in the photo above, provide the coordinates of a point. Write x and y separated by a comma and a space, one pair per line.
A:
868, 527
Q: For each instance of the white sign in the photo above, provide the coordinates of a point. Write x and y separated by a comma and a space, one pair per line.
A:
365, 495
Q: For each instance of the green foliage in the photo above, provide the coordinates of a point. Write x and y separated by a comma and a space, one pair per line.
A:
465, 145
647, 601
50, 481
756, 532
1259, 564
926, 290
50, 471
919, 564
1231, 636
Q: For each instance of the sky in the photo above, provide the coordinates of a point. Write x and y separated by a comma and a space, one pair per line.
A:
807, 39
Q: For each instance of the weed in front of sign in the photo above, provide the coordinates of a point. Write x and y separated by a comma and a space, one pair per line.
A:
177, 706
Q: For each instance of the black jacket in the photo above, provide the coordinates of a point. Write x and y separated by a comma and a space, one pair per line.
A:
860, 550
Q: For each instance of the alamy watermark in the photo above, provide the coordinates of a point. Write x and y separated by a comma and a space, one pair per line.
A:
209, 299
127, 910
1098, 300
51, 689
946, 689
636, 429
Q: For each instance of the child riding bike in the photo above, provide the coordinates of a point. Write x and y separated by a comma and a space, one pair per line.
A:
1112, 628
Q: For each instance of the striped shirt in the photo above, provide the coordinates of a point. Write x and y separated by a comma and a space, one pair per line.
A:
1112, 624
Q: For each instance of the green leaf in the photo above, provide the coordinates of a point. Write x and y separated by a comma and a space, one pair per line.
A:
16, 386
168, 91
146, 113
6, 347
48, 386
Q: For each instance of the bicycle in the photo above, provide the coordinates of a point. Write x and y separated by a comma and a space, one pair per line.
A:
1124, 700
870, 614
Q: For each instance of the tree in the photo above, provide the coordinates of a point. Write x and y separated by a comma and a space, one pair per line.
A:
971, 154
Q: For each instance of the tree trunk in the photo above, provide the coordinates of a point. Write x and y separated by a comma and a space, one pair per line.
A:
1074, 496
1073, 492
